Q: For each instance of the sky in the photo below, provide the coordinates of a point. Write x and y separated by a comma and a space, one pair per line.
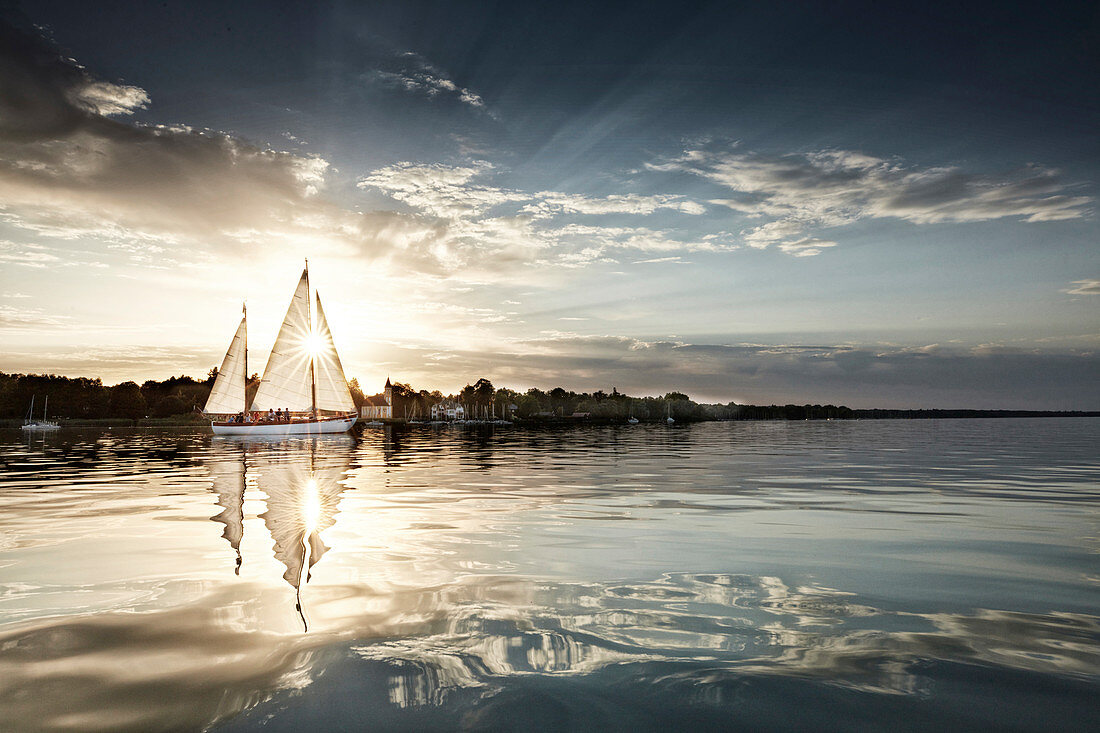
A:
869, 204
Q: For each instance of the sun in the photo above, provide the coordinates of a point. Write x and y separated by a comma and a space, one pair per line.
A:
313, 344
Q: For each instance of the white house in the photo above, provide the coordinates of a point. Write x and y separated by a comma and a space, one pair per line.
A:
380, 407
448, 411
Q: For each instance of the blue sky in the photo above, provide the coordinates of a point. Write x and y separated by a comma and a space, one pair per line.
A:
852, 204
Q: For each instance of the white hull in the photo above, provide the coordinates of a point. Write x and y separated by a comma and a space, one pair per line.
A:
40, 426
315, 427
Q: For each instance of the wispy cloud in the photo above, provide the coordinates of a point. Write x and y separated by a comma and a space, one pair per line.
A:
1085, 287
481, 222
19, 319
413, 73
805, 192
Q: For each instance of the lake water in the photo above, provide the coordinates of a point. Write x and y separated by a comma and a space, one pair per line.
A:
906, 575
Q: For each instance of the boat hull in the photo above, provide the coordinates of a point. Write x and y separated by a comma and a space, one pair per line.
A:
312, 427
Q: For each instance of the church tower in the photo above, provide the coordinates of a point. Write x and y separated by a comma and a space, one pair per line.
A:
388, 391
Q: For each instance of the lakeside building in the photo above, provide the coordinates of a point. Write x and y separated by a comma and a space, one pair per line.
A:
448, 411
380, 406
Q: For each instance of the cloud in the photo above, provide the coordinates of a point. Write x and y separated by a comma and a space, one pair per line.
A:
411, 72
1085, 287
69, 170
106, 99
934, 376
658, 260
113, 364
806, 247
804, 192
501, 227
19, 319
159, 196
550, 203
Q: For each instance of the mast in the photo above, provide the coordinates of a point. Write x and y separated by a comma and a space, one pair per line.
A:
312, 354
44, 406
244, 392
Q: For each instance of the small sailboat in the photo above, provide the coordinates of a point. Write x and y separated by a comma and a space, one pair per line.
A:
43, 425
632, 420
669, 419
303, 390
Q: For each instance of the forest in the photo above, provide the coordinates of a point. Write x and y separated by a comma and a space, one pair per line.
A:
180, 399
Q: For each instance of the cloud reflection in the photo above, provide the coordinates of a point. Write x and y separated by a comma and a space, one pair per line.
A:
474, 642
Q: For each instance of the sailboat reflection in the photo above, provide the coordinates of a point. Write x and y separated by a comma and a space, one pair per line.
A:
301, 478
228, 468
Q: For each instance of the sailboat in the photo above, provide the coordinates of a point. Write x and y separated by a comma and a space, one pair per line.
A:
304, 380
38, 425
632, 420
669, 419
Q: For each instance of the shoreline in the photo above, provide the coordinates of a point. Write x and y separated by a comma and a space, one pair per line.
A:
858, 415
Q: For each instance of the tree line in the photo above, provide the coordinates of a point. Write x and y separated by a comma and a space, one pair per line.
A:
556, 404
83, 398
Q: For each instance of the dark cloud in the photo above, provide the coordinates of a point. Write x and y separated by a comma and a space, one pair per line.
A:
68, 168
933, 376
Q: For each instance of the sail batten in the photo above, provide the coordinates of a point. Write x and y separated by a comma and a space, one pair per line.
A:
228, 395
286, 382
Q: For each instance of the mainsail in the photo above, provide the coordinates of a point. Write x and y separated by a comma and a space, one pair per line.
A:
286, 382
332, 387
227, 395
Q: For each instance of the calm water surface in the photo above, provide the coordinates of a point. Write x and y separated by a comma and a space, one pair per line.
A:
914, 575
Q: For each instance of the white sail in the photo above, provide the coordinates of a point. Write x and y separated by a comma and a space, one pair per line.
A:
227, 395
332, 387
286, 382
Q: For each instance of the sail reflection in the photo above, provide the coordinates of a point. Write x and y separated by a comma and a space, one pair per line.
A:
301, 478
228, 470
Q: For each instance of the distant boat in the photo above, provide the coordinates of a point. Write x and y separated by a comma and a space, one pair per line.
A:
669, 419
303, 382
632, 420
43, 425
